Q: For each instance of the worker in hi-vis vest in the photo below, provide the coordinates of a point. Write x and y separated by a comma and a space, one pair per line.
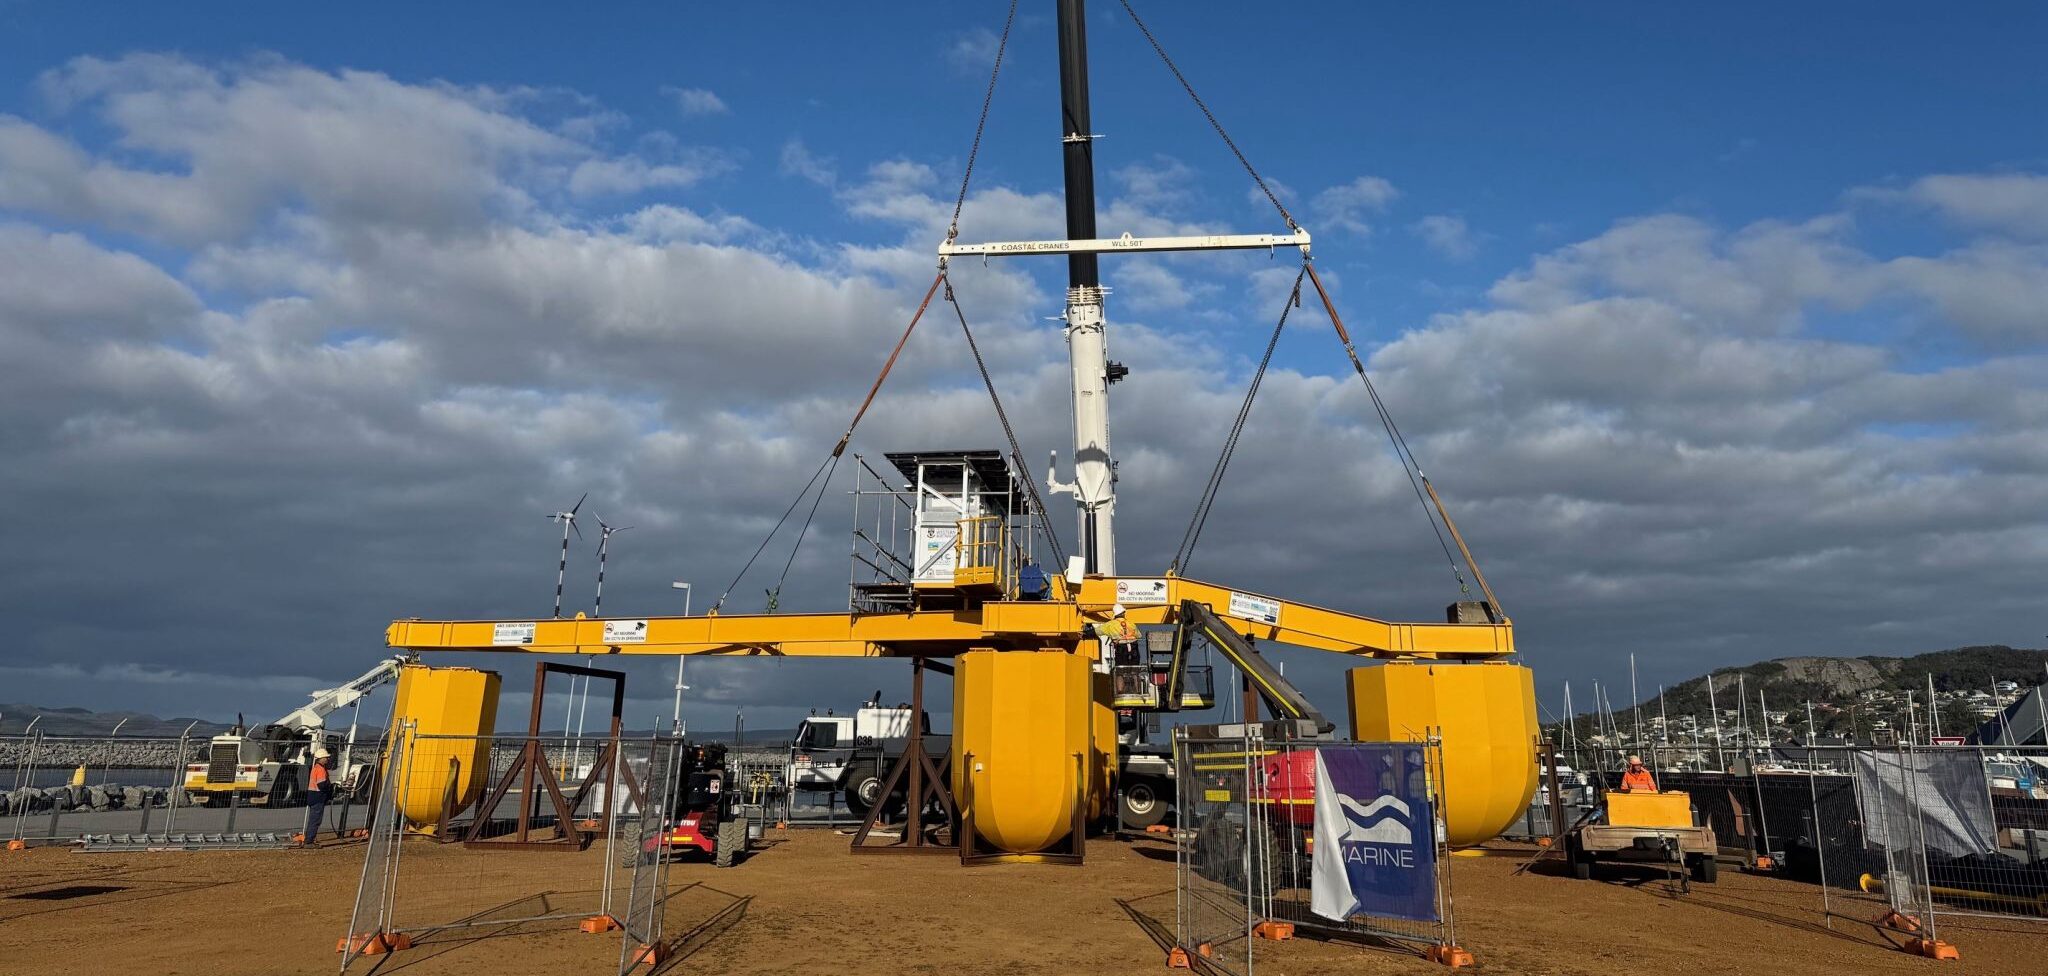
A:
1121, 636
1637, 778
319, 789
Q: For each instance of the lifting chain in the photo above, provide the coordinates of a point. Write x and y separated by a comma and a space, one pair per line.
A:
981, 125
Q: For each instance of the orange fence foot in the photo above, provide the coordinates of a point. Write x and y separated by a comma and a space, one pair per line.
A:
1206, 950
17, 845
1763, 863
374, 944
1177, 958
1274, 931
1933, 949
1159, 829
650, 955
1898, 922
1449, 955
596, 924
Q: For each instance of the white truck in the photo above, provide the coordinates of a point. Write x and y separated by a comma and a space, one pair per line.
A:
268, 764
852, 753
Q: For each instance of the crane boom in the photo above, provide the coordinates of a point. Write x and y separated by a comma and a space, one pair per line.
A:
313, 714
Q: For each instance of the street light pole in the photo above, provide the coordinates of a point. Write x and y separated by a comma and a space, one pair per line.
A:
675, 719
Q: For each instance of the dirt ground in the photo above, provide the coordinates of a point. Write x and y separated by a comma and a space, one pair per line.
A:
803, 904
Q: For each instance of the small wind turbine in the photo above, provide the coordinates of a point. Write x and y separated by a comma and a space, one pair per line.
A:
568, 520
604, 541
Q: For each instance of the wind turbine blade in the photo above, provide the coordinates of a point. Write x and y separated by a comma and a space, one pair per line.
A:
579, 503
579, 532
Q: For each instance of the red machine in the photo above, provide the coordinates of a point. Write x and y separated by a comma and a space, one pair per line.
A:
700, 813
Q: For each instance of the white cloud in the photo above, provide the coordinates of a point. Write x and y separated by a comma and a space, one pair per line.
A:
2015, 203
696, 101
1352, 206
973, 51
1447, 235
798, 160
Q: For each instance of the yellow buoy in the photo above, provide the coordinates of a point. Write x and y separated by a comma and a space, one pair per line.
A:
1486, 716
461, 702
1022, 745
78, 775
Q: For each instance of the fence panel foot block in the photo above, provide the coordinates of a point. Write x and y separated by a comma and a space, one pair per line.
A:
1449, 955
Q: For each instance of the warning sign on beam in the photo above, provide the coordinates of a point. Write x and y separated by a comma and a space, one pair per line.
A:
625, 631
1140, 592
1250, 607
511, 634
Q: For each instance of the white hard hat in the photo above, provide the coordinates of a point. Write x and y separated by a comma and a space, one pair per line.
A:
319, 753
1117, 611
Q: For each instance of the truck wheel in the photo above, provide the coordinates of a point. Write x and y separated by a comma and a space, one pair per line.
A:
1142, 804
1581, 862
1704, 868
732, 841
863, 788
284, 791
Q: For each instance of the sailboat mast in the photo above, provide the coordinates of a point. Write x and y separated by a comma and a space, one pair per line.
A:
1094, 486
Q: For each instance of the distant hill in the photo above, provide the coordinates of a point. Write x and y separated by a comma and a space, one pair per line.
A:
84, 721
1849, 693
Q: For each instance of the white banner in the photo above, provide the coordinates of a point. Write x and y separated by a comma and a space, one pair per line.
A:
1140, 592
1250, 607
625, 631
511, 634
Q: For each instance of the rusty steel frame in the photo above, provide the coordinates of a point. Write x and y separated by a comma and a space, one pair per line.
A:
928, 784
533, 757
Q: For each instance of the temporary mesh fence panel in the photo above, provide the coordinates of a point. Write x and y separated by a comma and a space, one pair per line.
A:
1339, 838
1220, 859
370, 918
1978, 855
641, 844
1357, 842
161, 792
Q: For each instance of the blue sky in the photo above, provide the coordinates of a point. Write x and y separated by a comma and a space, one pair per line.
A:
1720, 326
1536, 124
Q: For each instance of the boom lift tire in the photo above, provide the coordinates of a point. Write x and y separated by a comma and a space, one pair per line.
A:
1703, 867
627, 845
732, 840
1142, 805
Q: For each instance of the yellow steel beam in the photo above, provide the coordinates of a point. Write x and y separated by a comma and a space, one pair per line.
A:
1051, 624
1272, 618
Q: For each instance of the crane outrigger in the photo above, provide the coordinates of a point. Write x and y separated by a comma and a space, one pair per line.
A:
1035, 744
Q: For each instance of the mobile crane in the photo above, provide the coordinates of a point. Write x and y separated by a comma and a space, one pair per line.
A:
268, 764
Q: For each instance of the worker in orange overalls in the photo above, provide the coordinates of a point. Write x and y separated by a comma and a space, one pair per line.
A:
1637, 778
319, 789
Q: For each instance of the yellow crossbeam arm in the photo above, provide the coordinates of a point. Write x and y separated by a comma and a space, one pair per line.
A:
1275, 619
945, 633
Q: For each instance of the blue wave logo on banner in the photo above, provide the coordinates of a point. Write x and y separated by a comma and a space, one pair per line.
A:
1383, 821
